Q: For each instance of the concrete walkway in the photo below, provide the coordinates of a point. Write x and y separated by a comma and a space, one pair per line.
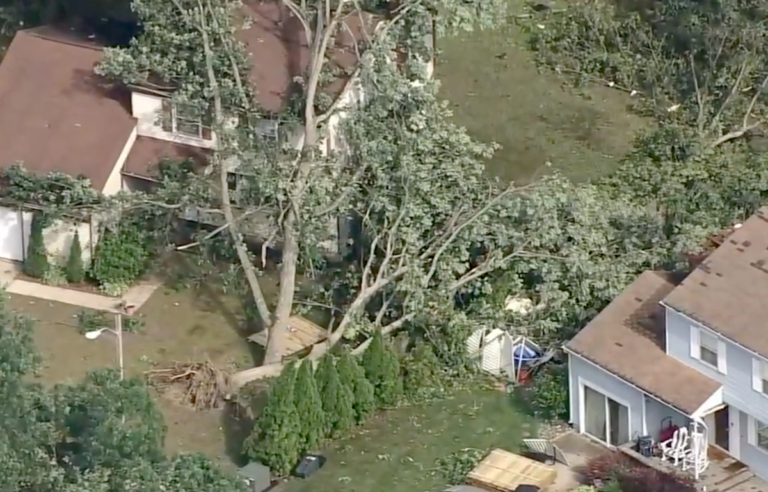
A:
136, 295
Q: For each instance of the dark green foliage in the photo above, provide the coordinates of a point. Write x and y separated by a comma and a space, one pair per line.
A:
382, 368
121, 256
309, 408
275, 440
75, 271
353, 376
456, 466
549, 392
36, 262
109, 421
423, 374
338, 400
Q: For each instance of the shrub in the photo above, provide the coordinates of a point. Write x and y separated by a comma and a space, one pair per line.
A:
337, 398
602, 467
54, 275
274, 440
309, 408
75, 272
353, 376
549, 392
36, 262
423, 378
382, 368
121, 256
620, 472
456, 466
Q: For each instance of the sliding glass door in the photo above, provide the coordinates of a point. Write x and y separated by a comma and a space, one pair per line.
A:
604, 418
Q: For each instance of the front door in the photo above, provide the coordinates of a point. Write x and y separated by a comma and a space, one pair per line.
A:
604, 418
722, 428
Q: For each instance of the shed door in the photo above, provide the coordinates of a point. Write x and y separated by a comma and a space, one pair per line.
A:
14, 234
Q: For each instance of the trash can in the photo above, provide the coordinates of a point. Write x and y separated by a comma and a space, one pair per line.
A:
309, 464
527, 488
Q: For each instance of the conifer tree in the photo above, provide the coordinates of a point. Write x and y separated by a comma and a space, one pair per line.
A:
337, 398
275, 438
353, 376
382, 368
74, 271
309, 408
36, 262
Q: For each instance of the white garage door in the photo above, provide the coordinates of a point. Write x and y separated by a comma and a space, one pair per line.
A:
14, 233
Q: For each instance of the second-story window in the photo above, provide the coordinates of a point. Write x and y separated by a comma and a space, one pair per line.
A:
760, 376
183, 120
709, 349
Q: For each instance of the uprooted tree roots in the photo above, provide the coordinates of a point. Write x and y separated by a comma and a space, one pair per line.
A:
199, 384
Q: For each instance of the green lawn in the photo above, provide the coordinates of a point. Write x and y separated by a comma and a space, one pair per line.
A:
498, 93
398, 450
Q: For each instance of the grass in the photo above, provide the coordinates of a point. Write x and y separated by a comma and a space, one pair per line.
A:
180, 326
499, 95
398, 450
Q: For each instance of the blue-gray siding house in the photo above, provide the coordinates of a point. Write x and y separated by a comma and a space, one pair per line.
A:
668, 351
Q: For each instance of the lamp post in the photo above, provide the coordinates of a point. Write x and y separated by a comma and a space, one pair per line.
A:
122, 308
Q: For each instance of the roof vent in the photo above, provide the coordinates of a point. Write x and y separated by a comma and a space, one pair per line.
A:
746, 244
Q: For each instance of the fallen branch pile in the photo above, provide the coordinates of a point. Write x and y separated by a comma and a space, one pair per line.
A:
199, 384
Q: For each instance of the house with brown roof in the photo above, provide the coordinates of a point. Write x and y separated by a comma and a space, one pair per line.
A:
669, 352
57, 115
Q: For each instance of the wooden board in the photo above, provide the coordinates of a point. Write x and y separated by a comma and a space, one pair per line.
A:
504, 472
303, 334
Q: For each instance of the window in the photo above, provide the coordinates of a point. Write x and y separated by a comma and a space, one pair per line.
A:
760, 376
708, 348
182, 120
758, 433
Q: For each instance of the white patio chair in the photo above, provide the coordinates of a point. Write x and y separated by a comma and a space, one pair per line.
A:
676, 448
696, 457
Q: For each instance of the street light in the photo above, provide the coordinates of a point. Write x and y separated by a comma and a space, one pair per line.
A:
122, 308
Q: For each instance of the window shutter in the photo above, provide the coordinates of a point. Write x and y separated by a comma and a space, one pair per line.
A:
695, 343
757, 375
751, 430
722, 360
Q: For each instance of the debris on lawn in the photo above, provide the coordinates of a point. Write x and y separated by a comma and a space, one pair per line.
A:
201, 385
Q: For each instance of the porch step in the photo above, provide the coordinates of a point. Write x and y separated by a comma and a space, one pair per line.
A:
720, 483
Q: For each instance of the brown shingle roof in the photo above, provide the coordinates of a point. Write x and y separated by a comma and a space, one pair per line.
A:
147, 152
54, 114
628, 337
279, 52
728, 291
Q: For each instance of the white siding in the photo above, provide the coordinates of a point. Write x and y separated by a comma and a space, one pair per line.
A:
148, 109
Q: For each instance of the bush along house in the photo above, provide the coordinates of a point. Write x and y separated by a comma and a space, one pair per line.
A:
683, 353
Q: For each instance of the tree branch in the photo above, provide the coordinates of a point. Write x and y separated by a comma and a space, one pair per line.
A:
734, 88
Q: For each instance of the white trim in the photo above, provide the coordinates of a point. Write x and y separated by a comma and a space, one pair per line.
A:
644, 415
711, 404
570, 390
585, 384
752, 352
695, 342
751, 431
734, 433
606, 371
722, 355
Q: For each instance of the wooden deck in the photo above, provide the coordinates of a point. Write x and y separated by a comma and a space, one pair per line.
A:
303, 334
503, 471
724, 473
